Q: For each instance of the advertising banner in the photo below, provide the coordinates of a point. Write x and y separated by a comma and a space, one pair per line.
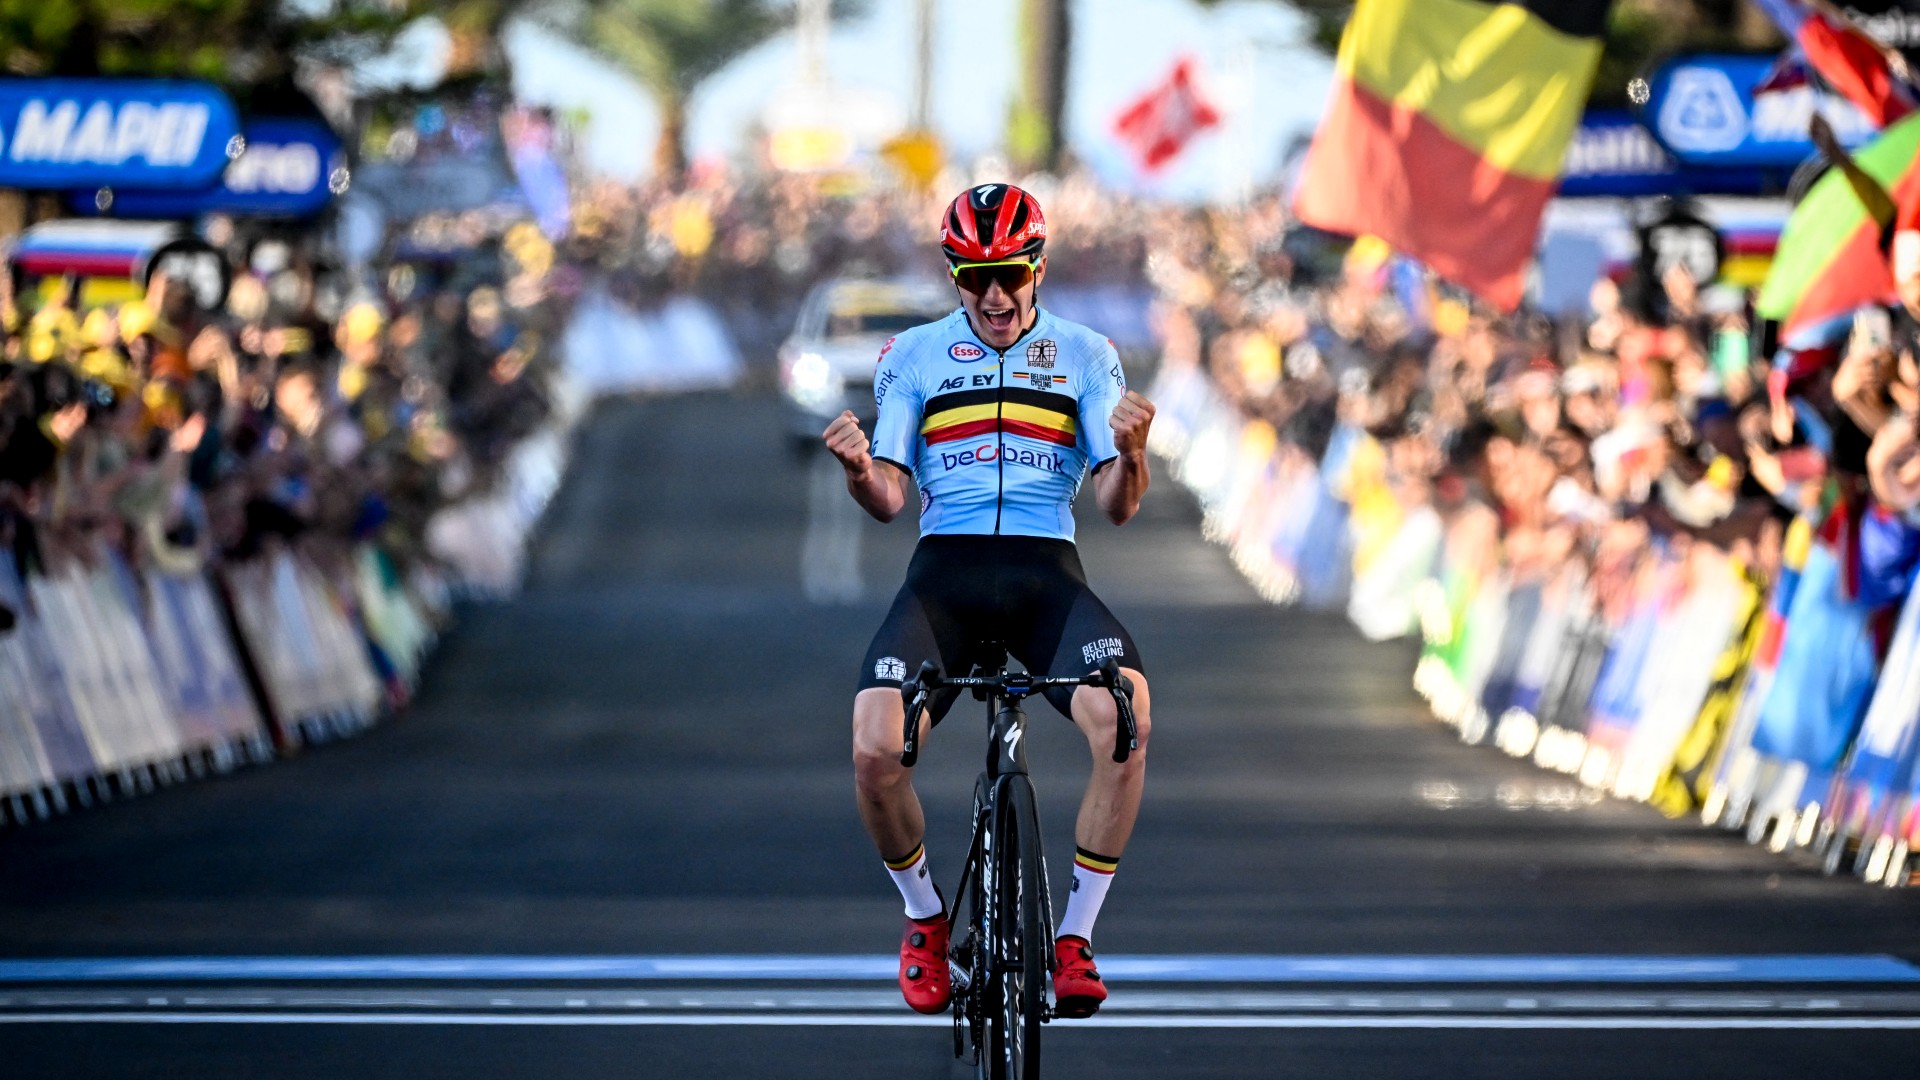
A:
1703, 110
1614, 155
148, 133
289, 169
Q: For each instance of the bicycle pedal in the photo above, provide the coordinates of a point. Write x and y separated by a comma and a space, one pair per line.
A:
1073, 1009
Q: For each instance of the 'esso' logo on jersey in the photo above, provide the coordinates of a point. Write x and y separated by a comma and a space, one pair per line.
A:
966, 353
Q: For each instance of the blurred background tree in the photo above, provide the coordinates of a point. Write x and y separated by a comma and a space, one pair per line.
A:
1035, 137
672, 46
253, 48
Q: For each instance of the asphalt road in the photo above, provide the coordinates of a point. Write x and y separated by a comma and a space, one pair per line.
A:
623, 802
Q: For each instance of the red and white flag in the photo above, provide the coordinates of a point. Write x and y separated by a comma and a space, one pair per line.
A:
1161, 123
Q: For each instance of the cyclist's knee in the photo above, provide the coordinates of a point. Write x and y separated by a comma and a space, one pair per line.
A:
878, 717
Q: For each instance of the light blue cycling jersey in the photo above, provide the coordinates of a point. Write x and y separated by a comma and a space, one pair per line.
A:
998, 443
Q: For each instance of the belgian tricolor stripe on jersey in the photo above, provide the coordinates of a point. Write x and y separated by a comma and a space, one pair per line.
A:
1015, 411
1446, 127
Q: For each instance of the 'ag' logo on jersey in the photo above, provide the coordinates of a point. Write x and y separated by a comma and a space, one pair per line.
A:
966, 353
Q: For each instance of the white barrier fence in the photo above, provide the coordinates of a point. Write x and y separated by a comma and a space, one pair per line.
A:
114, 682
1785, 708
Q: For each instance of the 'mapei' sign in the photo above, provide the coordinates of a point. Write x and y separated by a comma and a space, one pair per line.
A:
60, 133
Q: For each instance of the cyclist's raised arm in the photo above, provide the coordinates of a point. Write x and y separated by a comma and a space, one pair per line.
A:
879, 488
1115, 421
877, 470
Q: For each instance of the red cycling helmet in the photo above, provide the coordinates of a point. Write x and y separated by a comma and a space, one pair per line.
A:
992, 222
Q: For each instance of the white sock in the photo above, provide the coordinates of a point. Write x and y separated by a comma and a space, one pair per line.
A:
915, 882
1092, 874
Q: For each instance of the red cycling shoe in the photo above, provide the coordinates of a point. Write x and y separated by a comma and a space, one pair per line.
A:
923, 965
1077, 989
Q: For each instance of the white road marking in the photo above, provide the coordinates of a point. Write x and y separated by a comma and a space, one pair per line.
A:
1437, 1022
1469, 992
830, 552
1215, 969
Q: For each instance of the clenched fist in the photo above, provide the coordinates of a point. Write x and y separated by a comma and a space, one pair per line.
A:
1130, 420
849, 444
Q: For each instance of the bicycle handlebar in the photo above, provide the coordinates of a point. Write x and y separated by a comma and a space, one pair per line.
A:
917, 690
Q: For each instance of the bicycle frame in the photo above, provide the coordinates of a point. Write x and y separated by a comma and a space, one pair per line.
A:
973, 969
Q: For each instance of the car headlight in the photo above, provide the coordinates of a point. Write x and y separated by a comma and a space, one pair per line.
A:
811, 374
813, 383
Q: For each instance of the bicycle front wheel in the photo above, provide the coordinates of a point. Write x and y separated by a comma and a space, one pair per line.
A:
1018, 940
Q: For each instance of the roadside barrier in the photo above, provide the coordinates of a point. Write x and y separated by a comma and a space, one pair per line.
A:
117, 681
1787, 710
114, 682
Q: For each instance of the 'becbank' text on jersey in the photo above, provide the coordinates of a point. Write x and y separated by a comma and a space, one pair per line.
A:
997, 442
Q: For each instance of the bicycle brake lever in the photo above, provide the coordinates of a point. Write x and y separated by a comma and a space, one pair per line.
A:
1126, 734
915, 692
910, 739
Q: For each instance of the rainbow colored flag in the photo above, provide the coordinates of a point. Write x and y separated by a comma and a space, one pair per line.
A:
1830, 259
1446, 128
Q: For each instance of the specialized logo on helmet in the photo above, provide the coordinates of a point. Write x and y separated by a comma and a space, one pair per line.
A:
966, 353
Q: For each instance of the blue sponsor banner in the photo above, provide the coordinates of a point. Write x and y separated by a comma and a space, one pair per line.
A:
1614, 155
1703, 110
64, 133
285, 171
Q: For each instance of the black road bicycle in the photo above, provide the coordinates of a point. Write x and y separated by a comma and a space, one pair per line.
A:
1001, 966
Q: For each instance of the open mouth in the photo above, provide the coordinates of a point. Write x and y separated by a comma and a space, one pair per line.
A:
1000, 319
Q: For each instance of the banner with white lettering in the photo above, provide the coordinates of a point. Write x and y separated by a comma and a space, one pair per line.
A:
1703, 110
63, 133
1613, 155
291, 168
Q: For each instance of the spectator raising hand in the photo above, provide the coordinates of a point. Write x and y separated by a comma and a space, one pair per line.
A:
1893, 465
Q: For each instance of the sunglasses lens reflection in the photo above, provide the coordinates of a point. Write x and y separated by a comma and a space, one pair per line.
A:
978, 279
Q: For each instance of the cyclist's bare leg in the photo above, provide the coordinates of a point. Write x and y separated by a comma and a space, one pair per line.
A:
884, 787
1112, 801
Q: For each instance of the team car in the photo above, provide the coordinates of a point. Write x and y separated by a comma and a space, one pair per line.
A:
827, 363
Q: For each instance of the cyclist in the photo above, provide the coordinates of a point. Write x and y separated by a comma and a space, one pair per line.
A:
996, 412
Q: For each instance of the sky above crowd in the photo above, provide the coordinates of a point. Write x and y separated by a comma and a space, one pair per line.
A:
1251, 58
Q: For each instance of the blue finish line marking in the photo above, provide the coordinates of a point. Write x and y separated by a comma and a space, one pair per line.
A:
827, 968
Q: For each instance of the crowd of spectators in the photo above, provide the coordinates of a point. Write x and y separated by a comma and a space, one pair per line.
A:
753, 246
306, 410
1582, 440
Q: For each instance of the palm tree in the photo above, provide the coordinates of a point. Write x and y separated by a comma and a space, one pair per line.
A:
475, 27
671, 46
1036, 132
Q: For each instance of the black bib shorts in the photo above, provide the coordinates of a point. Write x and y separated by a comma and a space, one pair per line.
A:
1028, 593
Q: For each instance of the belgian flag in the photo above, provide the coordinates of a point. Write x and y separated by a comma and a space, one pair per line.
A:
1446, 127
